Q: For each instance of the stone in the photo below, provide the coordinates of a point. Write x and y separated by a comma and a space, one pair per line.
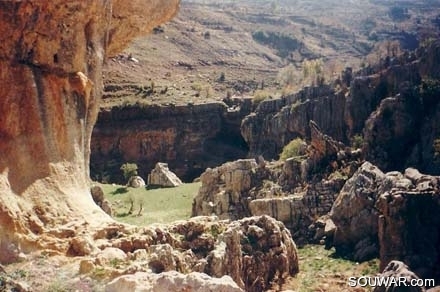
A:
409, 225
172, 281
86, 266
355, 215
162, 176
110, 254
97, 194
136, 182
82, 246
50, 91
398, 270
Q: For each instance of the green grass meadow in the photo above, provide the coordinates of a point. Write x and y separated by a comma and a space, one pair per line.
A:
163, 205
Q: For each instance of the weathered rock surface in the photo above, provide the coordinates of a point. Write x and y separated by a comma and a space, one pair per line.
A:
355, 216
242, 188
254, 252
172, 281
276, 122
394, 105
399, 271
136, 182
409, 225
162, 176
51, 56
190, 138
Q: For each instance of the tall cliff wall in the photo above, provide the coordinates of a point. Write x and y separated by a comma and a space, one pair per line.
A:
190, 138
51, 56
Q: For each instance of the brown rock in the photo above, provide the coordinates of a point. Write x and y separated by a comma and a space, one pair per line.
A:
51, 83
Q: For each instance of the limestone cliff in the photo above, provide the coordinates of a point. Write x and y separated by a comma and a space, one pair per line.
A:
189, 138
51, 56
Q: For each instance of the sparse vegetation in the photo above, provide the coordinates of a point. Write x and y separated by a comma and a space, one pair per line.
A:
259, 96
357, 141
320, 270
295, 148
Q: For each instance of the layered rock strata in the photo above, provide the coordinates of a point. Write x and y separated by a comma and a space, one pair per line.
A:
189, 138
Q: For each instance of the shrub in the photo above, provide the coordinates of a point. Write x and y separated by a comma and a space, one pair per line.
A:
129, 170
295, 148
259, 96
357, 141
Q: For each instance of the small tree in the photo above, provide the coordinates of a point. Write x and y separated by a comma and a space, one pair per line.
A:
129, 170
295, 148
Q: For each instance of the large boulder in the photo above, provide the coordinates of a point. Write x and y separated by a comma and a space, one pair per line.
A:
409, 225
400, 272
172, 281
355, 216
162, 176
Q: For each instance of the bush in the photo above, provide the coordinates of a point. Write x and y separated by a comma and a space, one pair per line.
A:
357, 141
129, 170
295, 148
259, 96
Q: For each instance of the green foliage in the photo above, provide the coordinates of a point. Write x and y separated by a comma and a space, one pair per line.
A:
357, 141
129, 170
295, 148
259, 96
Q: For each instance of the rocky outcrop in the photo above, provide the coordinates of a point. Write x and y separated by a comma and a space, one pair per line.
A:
400, 272
190, 138
409, 225
51, 57
172, 281
393, 105
243, 188
255, 252
277, 121
355, 216
162, 176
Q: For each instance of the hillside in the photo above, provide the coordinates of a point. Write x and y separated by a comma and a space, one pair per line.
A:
211, 49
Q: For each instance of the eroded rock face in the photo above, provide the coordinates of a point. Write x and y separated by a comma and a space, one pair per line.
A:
172, 281
243, 188
162, 176
399, 270
276, 122
409, 225
355, 216
254, 252
51, 56
190, 138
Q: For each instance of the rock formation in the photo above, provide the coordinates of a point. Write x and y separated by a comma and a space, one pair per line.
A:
162, 176
51, 56
172, 281
190, 138
255, 252
242, 188
355, 216
393, 105
399, 271
409, 225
